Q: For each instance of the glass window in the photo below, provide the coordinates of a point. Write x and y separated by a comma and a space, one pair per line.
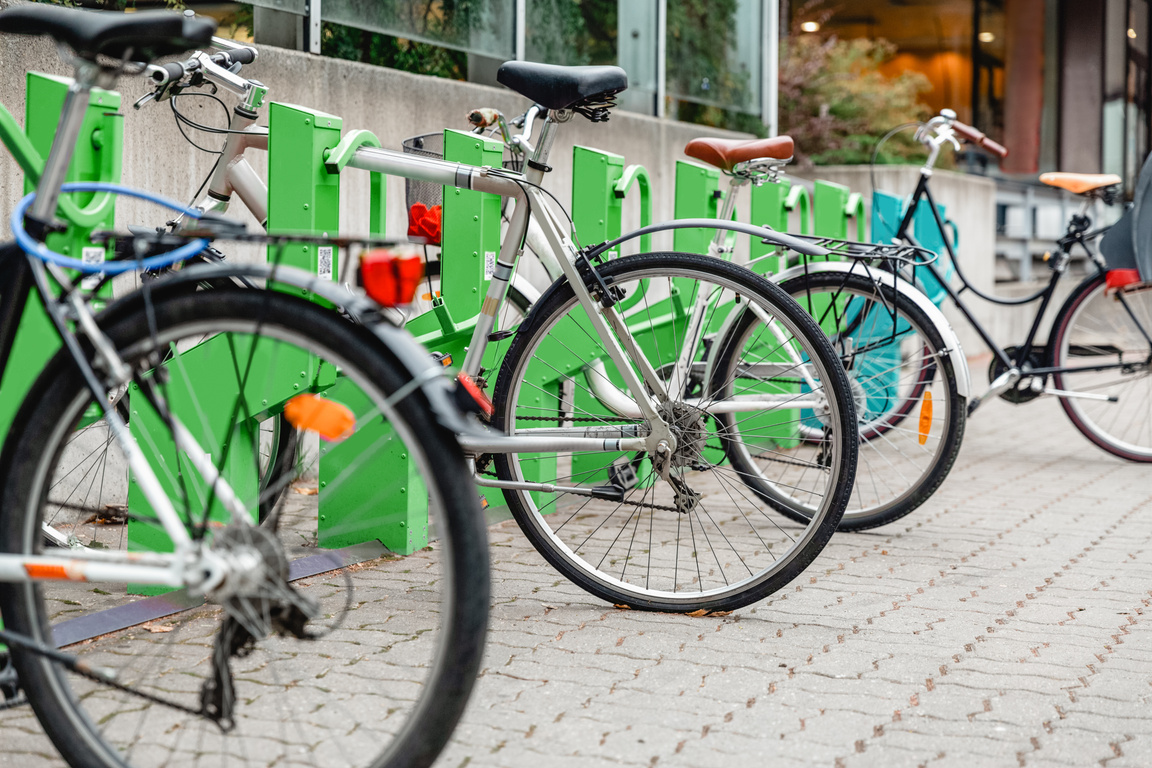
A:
484, 27
713, 53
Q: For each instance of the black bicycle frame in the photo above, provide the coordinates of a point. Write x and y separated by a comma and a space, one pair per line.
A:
1045, 296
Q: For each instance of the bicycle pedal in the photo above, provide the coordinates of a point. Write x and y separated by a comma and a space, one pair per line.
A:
622, 476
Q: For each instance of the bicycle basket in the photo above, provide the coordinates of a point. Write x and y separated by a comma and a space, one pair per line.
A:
424, 199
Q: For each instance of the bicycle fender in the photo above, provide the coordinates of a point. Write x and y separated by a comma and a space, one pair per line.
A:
935, 316
433, 379
770, 236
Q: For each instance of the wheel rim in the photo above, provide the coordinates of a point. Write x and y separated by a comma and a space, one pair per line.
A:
1100, 332
895, 372
730, 542
370, 709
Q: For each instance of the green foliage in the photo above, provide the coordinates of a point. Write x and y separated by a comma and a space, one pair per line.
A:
572, 32
700, 34
386, 51
109, 5
836, 104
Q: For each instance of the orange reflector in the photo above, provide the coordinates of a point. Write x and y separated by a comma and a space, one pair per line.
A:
391, 280
331, 420
925, 417
58, 572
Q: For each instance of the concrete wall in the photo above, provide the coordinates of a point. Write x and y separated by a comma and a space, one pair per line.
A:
392, 104
396, 105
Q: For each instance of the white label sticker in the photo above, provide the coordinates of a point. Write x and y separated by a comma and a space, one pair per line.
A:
489, 264
324, 262
91, 255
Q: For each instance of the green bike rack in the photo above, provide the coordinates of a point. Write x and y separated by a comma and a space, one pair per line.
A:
600, 182
97, 158
697, 197
303, 198
767, 208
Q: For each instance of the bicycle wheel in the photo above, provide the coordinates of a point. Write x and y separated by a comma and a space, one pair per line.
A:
1106, 337
690, 537
381, 670
910, 416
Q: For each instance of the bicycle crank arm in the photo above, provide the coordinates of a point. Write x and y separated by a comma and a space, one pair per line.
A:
1081, 395
1002, 383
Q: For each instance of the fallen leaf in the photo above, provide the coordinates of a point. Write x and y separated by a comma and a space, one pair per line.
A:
699, 613
305, 491
720, 613
622, 607
158, 628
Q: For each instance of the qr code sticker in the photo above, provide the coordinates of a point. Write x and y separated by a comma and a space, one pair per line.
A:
91, 255
489, 264
324, 262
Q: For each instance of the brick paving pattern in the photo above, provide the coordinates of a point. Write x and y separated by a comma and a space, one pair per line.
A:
1001, 624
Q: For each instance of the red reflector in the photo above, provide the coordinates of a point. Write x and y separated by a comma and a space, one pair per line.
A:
1121, 278
476, 394
389, 279
424, 223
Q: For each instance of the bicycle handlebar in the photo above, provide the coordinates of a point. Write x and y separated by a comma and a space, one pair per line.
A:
174, 71
977, 137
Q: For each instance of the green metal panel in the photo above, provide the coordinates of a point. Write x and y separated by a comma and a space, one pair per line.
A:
697, 189
97, 158
209, 373
767, 209
471, 228
303, 196
829, 203
596, 210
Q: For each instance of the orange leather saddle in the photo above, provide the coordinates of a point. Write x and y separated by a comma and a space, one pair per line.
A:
1080, 183
725, 154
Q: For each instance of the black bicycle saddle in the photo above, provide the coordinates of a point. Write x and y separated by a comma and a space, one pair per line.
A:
555, 87
140, 36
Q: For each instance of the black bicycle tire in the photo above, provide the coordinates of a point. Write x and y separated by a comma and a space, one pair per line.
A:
462, 529
1059, 329
957, 410
555, 299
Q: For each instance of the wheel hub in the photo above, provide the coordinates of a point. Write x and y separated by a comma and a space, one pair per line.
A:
687, 425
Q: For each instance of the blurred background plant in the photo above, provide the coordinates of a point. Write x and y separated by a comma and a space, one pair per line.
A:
837, 103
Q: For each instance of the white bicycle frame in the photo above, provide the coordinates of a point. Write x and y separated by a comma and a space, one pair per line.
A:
546, 235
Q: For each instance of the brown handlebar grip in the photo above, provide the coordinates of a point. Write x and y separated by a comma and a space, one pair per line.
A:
974, 136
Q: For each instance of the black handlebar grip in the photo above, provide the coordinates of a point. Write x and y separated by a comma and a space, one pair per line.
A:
243, 55
168, 73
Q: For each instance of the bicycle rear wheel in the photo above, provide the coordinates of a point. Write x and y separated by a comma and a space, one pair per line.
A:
1102, 339
693, 537
910, 414
391, 653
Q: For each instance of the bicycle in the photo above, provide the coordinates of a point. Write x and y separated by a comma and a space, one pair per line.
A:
252, 645
607, 417
907, 373
1099, 347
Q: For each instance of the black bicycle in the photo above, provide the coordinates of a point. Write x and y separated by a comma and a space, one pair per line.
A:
1099, 348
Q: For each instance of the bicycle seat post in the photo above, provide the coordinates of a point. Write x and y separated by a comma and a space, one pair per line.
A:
88, 76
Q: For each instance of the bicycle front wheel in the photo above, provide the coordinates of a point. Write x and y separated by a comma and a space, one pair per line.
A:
380, 669
677, 533
1102, 342
910, 414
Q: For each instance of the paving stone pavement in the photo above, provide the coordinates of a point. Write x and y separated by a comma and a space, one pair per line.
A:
1001, 624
